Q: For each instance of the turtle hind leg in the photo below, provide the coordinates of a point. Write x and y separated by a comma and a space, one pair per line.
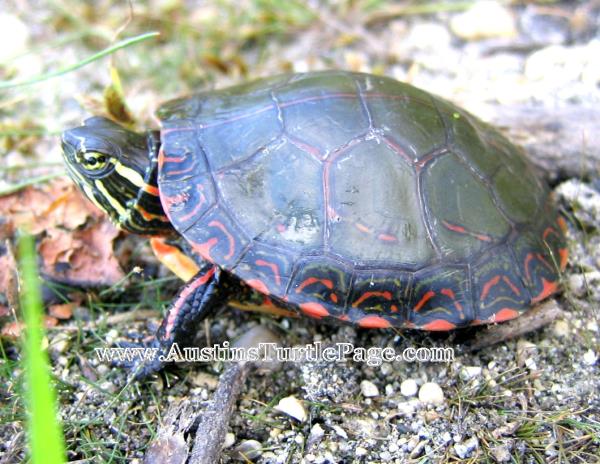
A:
195, 301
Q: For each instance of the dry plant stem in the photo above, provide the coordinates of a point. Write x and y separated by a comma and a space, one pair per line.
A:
538, 317
211, 431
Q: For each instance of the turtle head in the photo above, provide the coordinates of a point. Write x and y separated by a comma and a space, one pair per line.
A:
117, 170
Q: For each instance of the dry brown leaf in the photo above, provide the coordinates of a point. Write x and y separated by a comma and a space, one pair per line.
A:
75, 238
62, 311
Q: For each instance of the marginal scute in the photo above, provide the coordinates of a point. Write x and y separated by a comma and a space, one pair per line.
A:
379, 293
270, 266
324, 281
498, 285
441, 293
186, 203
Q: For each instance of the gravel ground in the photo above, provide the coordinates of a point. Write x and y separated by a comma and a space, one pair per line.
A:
533, 399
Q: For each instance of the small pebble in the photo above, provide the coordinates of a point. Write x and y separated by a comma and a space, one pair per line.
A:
293, 407
431, 393
561, 328
464, 450
501, 453
418, 450
229, 440
470, 372
409, 387
360, 451
369, 389
340, 432
407, 408
248, 449
590, 357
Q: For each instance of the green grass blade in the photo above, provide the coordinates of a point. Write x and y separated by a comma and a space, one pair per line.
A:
46, 442
59, 72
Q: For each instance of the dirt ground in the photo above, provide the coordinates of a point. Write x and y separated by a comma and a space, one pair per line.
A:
531, 68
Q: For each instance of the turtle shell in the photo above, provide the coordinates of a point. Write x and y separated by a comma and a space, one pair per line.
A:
360, 198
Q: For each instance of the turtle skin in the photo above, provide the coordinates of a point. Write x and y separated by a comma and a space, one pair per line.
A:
359, 199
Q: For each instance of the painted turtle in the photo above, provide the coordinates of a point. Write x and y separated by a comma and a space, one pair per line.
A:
342, 196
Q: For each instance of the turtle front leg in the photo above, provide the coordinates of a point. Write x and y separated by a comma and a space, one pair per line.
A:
195, 301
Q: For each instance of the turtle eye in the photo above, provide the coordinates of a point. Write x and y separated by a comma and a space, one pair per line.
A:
93, 161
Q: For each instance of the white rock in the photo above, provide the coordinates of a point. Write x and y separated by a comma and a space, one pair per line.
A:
340, 432
360, 451
369, 389
14, 35
470, 372
293, 407
316, 433
484, 20
590, 357
561, 328
229, 440
407, 408
464, 450
409, 387
431, 393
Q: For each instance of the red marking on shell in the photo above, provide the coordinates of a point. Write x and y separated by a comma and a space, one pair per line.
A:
386, 295
344, 317
333, 297
204, 248
428, 296
398, 149
548, 231
259, 285
182, 171
312, 309
161, 158
387, 238
219, 225
461, 230
450, 294
512, 286
313, 151
439, 325
394, 308
528, 259
312, 280
363, 228
374, 322
201, 202
273, 267
174, 159
564, 258
170, 201
180, 301
548, 289
488, 285
504, 314
562, 223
